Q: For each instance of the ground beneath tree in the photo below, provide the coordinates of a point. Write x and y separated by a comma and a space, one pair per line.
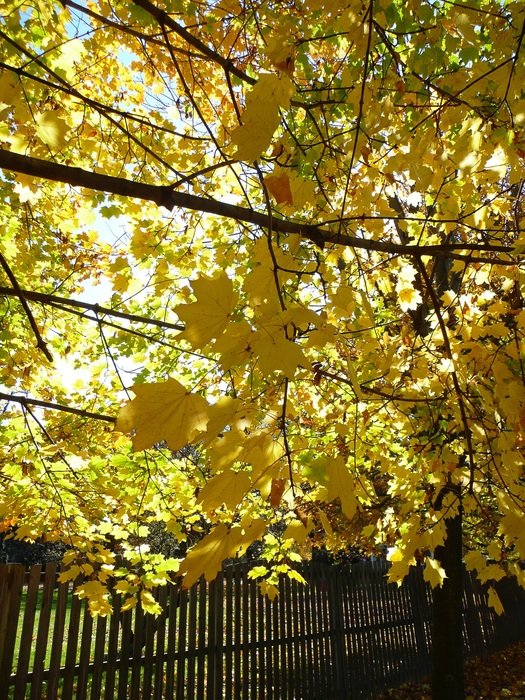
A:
498, 676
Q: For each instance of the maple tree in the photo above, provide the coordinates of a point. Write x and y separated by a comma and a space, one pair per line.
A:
314, 323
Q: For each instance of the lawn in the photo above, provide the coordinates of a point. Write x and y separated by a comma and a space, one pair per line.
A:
36, 623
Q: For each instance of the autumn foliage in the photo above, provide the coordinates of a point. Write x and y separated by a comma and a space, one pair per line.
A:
303, 226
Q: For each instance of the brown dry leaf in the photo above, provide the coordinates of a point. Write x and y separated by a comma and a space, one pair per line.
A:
276, 492
279, 187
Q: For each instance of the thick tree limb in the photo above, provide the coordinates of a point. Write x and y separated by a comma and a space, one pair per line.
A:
165, 196
26, 401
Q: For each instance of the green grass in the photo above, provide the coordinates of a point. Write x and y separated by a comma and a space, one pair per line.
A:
35, 629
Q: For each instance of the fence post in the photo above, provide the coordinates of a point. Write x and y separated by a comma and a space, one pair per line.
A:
418, 598
338, 635
26, 637
474, 632
215, 636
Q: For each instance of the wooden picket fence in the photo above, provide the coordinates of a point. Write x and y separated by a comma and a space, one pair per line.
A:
346, 635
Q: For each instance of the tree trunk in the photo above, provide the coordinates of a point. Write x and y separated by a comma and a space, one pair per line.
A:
447, 638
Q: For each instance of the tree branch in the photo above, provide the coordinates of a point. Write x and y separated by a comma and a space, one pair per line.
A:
53, 300
165, 196
26, 402
163, 18
19, 293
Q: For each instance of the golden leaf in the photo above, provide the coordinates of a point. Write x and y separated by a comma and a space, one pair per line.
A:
51, 129
163, 411
98, 597
149, 604
276, 353
205, 559
261, 117
296, 530
494, 601
207, 317
228, 488
434, 573
341, 485
281, 52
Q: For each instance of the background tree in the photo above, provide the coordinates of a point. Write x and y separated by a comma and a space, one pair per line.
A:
306, 222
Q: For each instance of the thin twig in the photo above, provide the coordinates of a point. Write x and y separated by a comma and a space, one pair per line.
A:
19, 293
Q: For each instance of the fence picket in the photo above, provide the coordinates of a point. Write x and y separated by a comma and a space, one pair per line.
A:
71, 646
245, 634
175, 600
126, 645
98, 659
58, 639
85, 653
160, 637
192, 641
12, 589
26, 637
181, 650
346, 634
136, 643
112, 651
43, 631
148, 655
261, 643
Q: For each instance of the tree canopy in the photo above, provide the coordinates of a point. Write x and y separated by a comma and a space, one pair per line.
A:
302, 224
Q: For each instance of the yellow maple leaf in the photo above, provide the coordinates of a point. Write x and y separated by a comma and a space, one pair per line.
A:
475, 560
149, 604
276, 353
9, 90
98, 597
325, 523
226, 410
205, 559
264, 452
251, 530
434, 573
208, 317
228, 488
401, 561
163, 411
340, 484
51, 129
492, 572
281, 52
261, 116
302, 190
295, 530
495, 602
129, 603
70, 574
225, 450
408, 297
397, 572
269, 589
